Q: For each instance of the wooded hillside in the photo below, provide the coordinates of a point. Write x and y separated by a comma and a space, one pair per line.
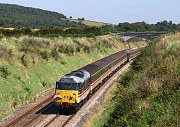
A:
19, 16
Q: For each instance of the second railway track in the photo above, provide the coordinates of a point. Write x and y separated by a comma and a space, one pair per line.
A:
38, 116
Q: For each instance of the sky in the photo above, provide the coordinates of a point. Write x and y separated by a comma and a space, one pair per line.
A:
110, 11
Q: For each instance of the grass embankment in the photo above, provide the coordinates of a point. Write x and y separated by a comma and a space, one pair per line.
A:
30, 65
88, 23
149, 93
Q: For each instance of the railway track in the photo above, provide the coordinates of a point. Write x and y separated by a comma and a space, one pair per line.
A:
64, 124
40, 115
28, 112
52, 120
35, 117
59, 121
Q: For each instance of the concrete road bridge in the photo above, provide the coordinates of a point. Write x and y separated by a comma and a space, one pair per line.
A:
147, 35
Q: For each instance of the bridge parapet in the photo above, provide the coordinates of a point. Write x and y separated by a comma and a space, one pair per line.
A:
140, 33
129, 35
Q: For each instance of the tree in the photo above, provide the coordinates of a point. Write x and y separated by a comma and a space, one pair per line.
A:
81, 19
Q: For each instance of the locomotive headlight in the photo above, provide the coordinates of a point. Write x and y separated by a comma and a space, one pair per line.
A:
58, 97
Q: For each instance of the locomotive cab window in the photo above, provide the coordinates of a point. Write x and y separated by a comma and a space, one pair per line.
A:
66, 86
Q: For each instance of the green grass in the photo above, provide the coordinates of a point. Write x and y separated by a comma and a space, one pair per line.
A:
149, 93
89, 23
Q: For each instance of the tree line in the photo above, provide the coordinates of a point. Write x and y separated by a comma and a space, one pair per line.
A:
163, 26
54, 32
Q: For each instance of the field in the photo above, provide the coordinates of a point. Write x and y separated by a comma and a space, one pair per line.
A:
89, 23
149, 93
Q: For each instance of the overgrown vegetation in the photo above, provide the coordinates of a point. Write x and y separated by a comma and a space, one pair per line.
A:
149, 94
54, 32
4, 72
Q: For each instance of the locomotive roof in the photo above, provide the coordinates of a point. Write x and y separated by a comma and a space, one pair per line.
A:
78, 76
95, 66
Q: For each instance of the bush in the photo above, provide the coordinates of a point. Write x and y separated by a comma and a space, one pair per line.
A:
91, 35
54, 54
27, 89
5, 53
127, 78
125, 100
77, 42
1, 36
4, 72
10, 52
66, 49
138, 65
24, 60
63, 62
44, 55
44, 84
69, 50
87, 49
31, 45
78, 49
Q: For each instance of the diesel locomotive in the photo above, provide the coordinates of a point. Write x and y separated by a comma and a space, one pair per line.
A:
74, 88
